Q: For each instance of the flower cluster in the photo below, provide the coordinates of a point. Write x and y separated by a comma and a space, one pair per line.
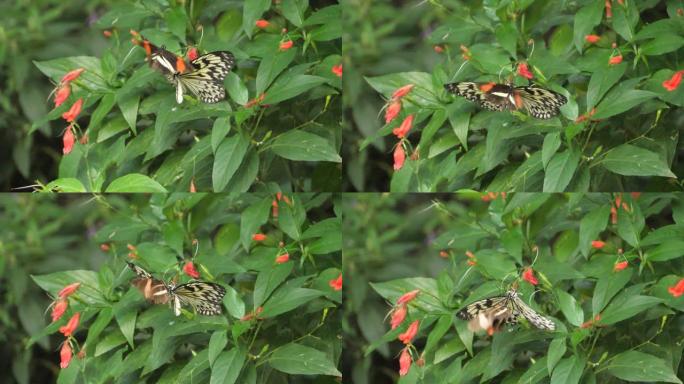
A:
398, 314
61, 95
59, 307
392, 110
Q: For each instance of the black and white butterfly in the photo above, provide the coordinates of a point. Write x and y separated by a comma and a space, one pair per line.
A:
202, 76
493, 312
539, 102
204, 297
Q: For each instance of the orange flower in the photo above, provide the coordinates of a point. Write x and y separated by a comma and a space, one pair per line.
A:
274, 208
443, 254
192, 53
189, 269
399, 157
592, 38
673, 82
336, 284
465, 52
73, 75
677, 289
392, 110
255, 100
620, 266
285, 45
62, 94
398, 315
470, 255
68, 290
598, 244
261, 23
404, 362
528, 275
615, 60
252, 314
613, 215
438, 48
131, 247
408, 297
403, 91
107, 33
471, 263
524, 71
73, 112
65, 355
609, 10
337, 70
258, 237
104, 247
69, 329
193, 189
410, 333
405, 126
68, 141
282, 258
58, 309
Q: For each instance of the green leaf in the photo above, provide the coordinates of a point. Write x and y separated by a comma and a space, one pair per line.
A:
568, 371
585, 20
176, 20
135, 183
174, 235
639, 366
601, 81
422, 93
630, 160
624, 306
233, 302
227, 367
591, 225
229, 156
557, 349
618, 102
662, 44
252, 218
507, 36
267, 281
219, 131
300, 145
287, 299
669, 250
552, 142
560, 170
67, 185
251, 12
291, 87
236, 88
570, 308
271, 66
294, 10
217, 343
607, 287
297, 359
291, 217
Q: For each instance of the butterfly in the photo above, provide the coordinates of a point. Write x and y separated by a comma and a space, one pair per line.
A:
493, 312
202, 76
204, 297
539, 102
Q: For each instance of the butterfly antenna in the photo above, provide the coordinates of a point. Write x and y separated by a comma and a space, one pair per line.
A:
536, 249
458, 71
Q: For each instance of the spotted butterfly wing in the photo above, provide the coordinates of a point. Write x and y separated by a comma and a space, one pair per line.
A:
494, 312
205, 298
539, 102
154, 290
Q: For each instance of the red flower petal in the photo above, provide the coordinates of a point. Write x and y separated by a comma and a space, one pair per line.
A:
189, 269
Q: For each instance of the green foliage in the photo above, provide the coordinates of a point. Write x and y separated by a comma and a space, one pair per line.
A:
611, 325
279, 123
618, 131
126, 339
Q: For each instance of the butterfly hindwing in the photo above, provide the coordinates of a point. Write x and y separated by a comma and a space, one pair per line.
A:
532, 316
205, 298
507, 309
541, 103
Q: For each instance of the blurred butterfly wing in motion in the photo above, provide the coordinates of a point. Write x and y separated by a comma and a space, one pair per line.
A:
205, 298
154, 290
532, 316
539, 102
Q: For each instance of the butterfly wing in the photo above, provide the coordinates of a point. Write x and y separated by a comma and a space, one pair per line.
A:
154, 290
539, 102
205, 298
491, 96
475, 308
206, 79
532, 316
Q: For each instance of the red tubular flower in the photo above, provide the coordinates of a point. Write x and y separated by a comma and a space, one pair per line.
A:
408, 297
73, 112
592, 38
69, 329
620, 266
673, 82
337, 70
261, 23
609, 9
404, 362
58, 309
282, 258
336, 284
613, 215
65, 355
192, 53
62, 94
392, 110
285, 45
677, 289
258, 237
68, 141
189, 269
399, 157
410, 333
598, 244
615, 60
405, 126
68, 290
403, 91
73, 75
528, 275
524, 71
398, 316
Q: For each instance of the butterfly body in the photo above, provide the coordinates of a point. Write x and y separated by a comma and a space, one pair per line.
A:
500, 310
539, 102
202, 76
204, 297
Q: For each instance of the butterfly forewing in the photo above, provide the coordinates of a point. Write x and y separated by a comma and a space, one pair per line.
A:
532, 316
498, 310
205, 298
